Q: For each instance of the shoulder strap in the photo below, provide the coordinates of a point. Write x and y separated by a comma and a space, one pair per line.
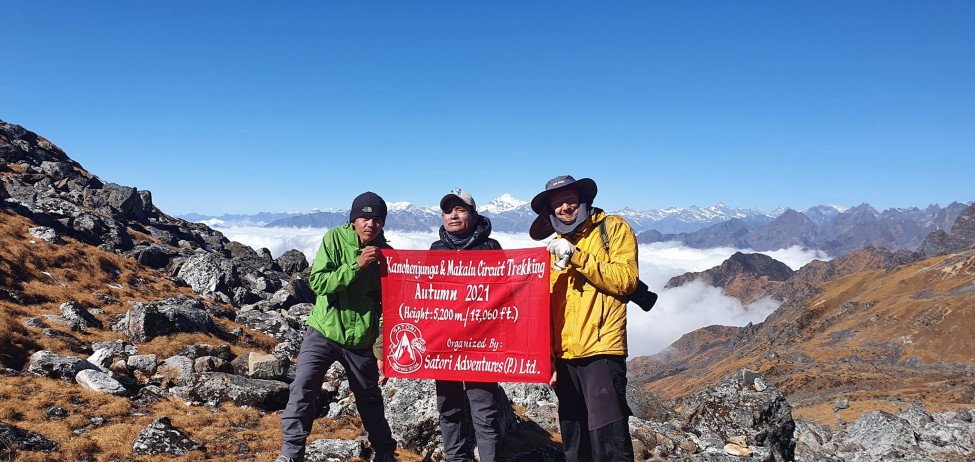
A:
603, 234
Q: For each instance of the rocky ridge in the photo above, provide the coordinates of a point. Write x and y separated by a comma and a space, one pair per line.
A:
845, 232
749, 277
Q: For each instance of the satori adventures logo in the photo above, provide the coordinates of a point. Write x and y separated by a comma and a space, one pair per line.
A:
406, 348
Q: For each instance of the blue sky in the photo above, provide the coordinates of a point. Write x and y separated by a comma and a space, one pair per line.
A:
243, 107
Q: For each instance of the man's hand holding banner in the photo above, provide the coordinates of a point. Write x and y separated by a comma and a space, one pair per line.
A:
479, 316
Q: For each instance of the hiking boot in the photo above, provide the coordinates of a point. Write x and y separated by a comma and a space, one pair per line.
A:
390, 457
288, 459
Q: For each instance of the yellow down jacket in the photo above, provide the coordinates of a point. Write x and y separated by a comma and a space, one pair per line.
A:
589, 298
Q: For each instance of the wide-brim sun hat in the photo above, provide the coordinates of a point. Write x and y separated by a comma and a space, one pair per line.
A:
542, 226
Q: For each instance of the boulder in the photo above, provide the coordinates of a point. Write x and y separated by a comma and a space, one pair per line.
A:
174, 371
77, 317
328, 450
14, 439
266, 366
160, 437
209, 275
101, 382
162, 317
143, 367
49, 364
45, 234
218, 387
735, 408
271, 323
292, 262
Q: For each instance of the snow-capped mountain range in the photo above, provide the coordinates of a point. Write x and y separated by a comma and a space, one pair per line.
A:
510, 214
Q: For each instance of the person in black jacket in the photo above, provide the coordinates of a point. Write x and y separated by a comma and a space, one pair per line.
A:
464, 229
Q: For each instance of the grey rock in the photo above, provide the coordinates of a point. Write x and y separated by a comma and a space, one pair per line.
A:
529, 395
57, 170
412, 414
143, 367
101, 382
266, 366
209, 275
17, 439
218, 387
117, 347
77, 317
299, 313
160, 437
49, 364
174, 371
880, 433
270, 323
162, 317
335, 450
546, 416
916, 414
203, 349
55, 413
103, 358
45, 234
210, 364
292, 261
733, 408
299, 290
154, 255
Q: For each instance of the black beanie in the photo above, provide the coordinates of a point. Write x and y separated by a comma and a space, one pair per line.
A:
368, 204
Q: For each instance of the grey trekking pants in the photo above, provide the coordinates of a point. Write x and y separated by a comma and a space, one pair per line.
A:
593, 413
458, 443
315, 357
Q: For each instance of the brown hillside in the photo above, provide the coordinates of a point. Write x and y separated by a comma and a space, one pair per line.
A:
35, 278
880, 338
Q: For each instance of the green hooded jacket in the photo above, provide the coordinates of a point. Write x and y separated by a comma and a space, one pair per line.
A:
348, 309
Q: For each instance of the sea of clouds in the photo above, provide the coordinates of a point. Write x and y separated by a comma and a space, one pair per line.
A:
678, 311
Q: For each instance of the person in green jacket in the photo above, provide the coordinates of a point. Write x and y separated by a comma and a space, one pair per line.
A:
344, 326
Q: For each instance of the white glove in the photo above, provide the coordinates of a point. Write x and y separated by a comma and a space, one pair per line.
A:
563, 250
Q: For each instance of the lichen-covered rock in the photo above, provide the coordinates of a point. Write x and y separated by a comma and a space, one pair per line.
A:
15, 439
101, 382
218, 387
160, 437
330, 450
49, 364
163, 317
734, 408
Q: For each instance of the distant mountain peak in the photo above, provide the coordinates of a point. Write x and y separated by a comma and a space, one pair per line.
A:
402, 205
503, 203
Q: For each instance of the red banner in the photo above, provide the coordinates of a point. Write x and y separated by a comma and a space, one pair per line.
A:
478, 315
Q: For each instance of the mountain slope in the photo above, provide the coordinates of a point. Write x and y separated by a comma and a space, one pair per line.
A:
877, 338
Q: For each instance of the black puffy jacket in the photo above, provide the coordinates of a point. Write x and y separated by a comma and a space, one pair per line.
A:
481, 240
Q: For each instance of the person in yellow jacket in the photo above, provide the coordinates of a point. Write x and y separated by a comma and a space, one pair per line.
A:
589, 288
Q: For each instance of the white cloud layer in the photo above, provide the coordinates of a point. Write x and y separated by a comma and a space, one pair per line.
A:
678, 311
